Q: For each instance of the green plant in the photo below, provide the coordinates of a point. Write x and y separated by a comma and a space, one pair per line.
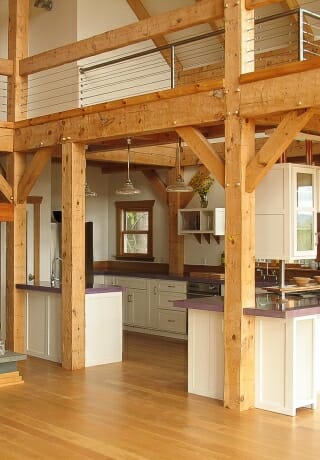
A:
201, 182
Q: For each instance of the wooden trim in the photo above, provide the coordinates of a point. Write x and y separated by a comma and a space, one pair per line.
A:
5, 188
147, 29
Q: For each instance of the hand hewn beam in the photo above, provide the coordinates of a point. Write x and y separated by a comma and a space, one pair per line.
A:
33, 171
142, 13
6, 212
6, 188
252, 4
284, 134
149, 117
281, 94
157, 185
147, 29
6, 67
6, 137
204, 150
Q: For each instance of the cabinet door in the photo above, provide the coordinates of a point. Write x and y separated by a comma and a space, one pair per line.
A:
54, 327
127, 307
36, 334
140, 310
304, 212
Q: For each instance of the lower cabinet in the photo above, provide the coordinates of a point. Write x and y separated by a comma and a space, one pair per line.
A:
135, 305
43, 326
163, 316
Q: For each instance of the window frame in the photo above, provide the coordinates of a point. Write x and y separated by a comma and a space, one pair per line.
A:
139, 206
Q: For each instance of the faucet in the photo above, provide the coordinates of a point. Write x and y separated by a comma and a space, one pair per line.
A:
53, 277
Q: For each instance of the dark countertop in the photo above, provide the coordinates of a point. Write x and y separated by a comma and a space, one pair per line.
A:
266, 305
45, 286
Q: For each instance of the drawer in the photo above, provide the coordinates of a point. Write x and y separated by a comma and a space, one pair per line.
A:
172, 321
165, 299
172, 286
135, 283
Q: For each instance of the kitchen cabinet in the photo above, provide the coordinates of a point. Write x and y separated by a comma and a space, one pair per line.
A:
43, 325
135, 301
286, 213
163, 315
201, 221
286, 363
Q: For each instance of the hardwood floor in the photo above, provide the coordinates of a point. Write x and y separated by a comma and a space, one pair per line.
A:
139, 409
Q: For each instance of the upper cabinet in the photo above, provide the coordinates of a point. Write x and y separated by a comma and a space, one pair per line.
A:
286, 213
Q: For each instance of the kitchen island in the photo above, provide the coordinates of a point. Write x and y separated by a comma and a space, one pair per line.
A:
286, 350
103, 322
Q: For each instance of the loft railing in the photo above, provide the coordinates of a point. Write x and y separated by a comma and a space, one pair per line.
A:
142, 68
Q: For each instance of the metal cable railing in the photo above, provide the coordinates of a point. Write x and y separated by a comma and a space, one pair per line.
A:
142, 68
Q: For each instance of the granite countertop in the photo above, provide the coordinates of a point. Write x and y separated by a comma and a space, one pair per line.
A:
267, 305
45, 286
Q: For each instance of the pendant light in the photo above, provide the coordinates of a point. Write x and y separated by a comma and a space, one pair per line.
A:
179, 185
128, 188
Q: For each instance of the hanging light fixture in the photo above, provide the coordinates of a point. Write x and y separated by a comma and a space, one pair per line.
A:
179, 185
128, 188
88, 192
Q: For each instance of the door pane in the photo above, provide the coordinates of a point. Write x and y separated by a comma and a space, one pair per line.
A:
304, 190
304, 231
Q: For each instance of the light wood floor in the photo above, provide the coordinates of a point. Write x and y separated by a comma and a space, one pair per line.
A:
139, 409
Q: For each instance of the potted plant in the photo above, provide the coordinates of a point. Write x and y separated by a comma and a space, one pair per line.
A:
201, 183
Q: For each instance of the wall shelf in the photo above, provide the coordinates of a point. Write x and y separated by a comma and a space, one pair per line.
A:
202, 223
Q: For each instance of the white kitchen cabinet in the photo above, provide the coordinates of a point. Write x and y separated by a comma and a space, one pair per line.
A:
104, 279
201, 221
43, 325
163, 315
205, 353
135, 301
286, 355
286, 213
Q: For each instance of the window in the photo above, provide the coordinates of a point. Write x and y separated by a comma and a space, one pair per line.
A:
135, 229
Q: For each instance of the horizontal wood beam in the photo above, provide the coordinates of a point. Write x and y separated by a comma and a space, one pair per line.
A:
33, 171
147, 29
6, 67
252, 4
6, 212
6, 138
204, 150
269, 153
280, 94
5, 188
141, 119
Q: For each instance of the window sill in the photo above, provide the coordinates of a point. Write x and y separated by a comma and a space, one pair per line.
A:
136, 258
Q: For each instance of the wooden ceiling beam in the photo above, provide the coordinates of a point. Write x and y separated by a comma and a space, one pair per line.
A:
204, 151
252, 4
5, 188
6, 137
142, 13
141, 119
32, 172
147, 29
157, 184
6, 67
281, 93
269, 153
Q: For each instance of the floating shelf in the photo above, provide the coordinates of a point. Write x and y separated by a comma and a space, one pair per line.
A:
294, 288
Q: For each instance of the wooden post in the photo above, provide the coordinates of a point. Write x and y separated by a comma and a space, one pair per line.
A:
240, 216
176, 242
16, 230
73, 255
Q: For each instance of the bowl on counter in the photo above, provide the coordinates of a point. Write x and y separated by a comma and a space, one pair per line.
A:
301, 281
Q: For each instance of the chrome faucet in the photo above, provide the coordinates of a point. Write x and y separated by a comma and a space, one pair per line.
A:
53, 277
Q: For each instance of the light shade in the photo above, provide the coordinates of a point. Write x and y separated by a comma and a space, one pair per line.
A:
179, 186
127, 189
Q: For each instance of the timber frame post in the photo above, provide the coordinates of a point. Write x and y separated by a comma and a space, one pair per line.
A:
240, 216
18, 39
73, 255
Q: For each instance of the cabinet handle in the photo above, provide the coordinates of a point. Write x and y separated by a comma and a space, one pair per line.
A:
171, 321
129, 297
171, 285
155, 289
